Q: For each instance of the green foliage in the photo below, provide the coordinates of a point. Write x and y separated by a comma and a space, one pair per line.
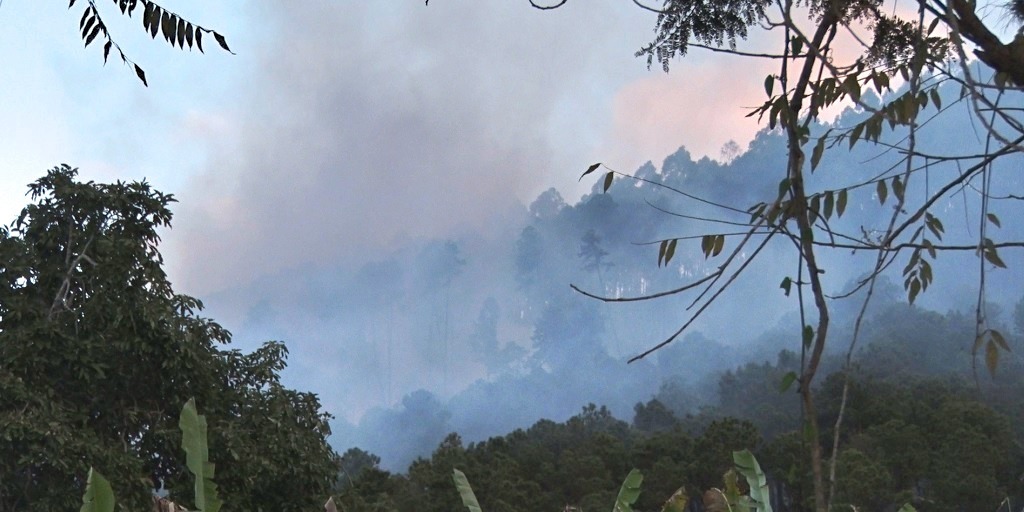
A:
465, 491
98, 495
95, 348
194, 442
628, 492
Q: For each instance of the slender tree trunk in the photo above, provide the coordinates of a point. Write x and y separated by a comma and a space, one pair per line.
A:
798, 211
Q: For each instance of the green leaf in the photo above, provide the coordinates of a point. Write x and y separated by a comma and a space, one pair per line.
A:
830, 203
99, 497
808, 335
608, 180
882, 190
747, 466
465, 491
677, 502
907, 507
787, 381
670, 251
769, 84
589, 170
841, 203
661, 252
197, 457
199, 39
707, 242
628, 492
897, 188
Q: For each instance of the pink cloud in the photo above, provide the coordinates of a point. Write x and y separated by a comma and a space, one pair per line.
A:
700, 104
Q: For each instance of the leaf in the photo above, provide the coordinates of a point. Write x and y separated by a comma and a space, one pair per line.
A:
819, 149
707, 243
465, 491
852, 87
882, 190
608, 180
197, 457
841, 203
787, 381
897, 188
999, 339
106, 50
747, 466
718, 246
589, 170
991, 357
907, 507
141, 74
92, 35
993, 219
677, 502
914, 289
661, 252
330, 506
181, 33
199, 39
808, 335
223, 43
936, 99
99, 497
856, 133
168, 24
769, 84
993, 257
670, 251
787, 284
714, 501
188, 34
830, 203
628, 492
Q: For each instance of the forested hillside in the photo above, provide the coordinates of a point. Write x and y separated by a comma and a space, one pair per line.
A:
915, 433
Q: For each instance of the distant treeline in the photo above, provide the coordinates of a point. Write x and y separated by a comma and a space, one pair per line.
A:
912, 432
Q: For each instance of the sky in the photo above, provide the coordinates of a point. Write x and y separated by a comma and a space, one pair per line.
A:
338, 130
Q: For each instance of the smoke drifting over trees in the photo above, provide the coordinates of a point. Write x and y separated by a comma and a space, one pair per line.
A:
479, 332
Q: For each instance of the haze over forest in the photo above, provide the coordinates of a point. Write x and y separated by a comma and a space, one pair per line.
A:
478, 332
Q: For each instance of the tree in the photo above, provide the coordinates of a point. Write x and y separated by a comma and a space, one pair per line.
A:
175, 29
910, 60
97, 354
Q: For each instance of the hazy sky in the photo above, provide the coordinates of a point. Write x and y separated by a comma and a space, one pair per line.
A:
342, 127
337, 112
